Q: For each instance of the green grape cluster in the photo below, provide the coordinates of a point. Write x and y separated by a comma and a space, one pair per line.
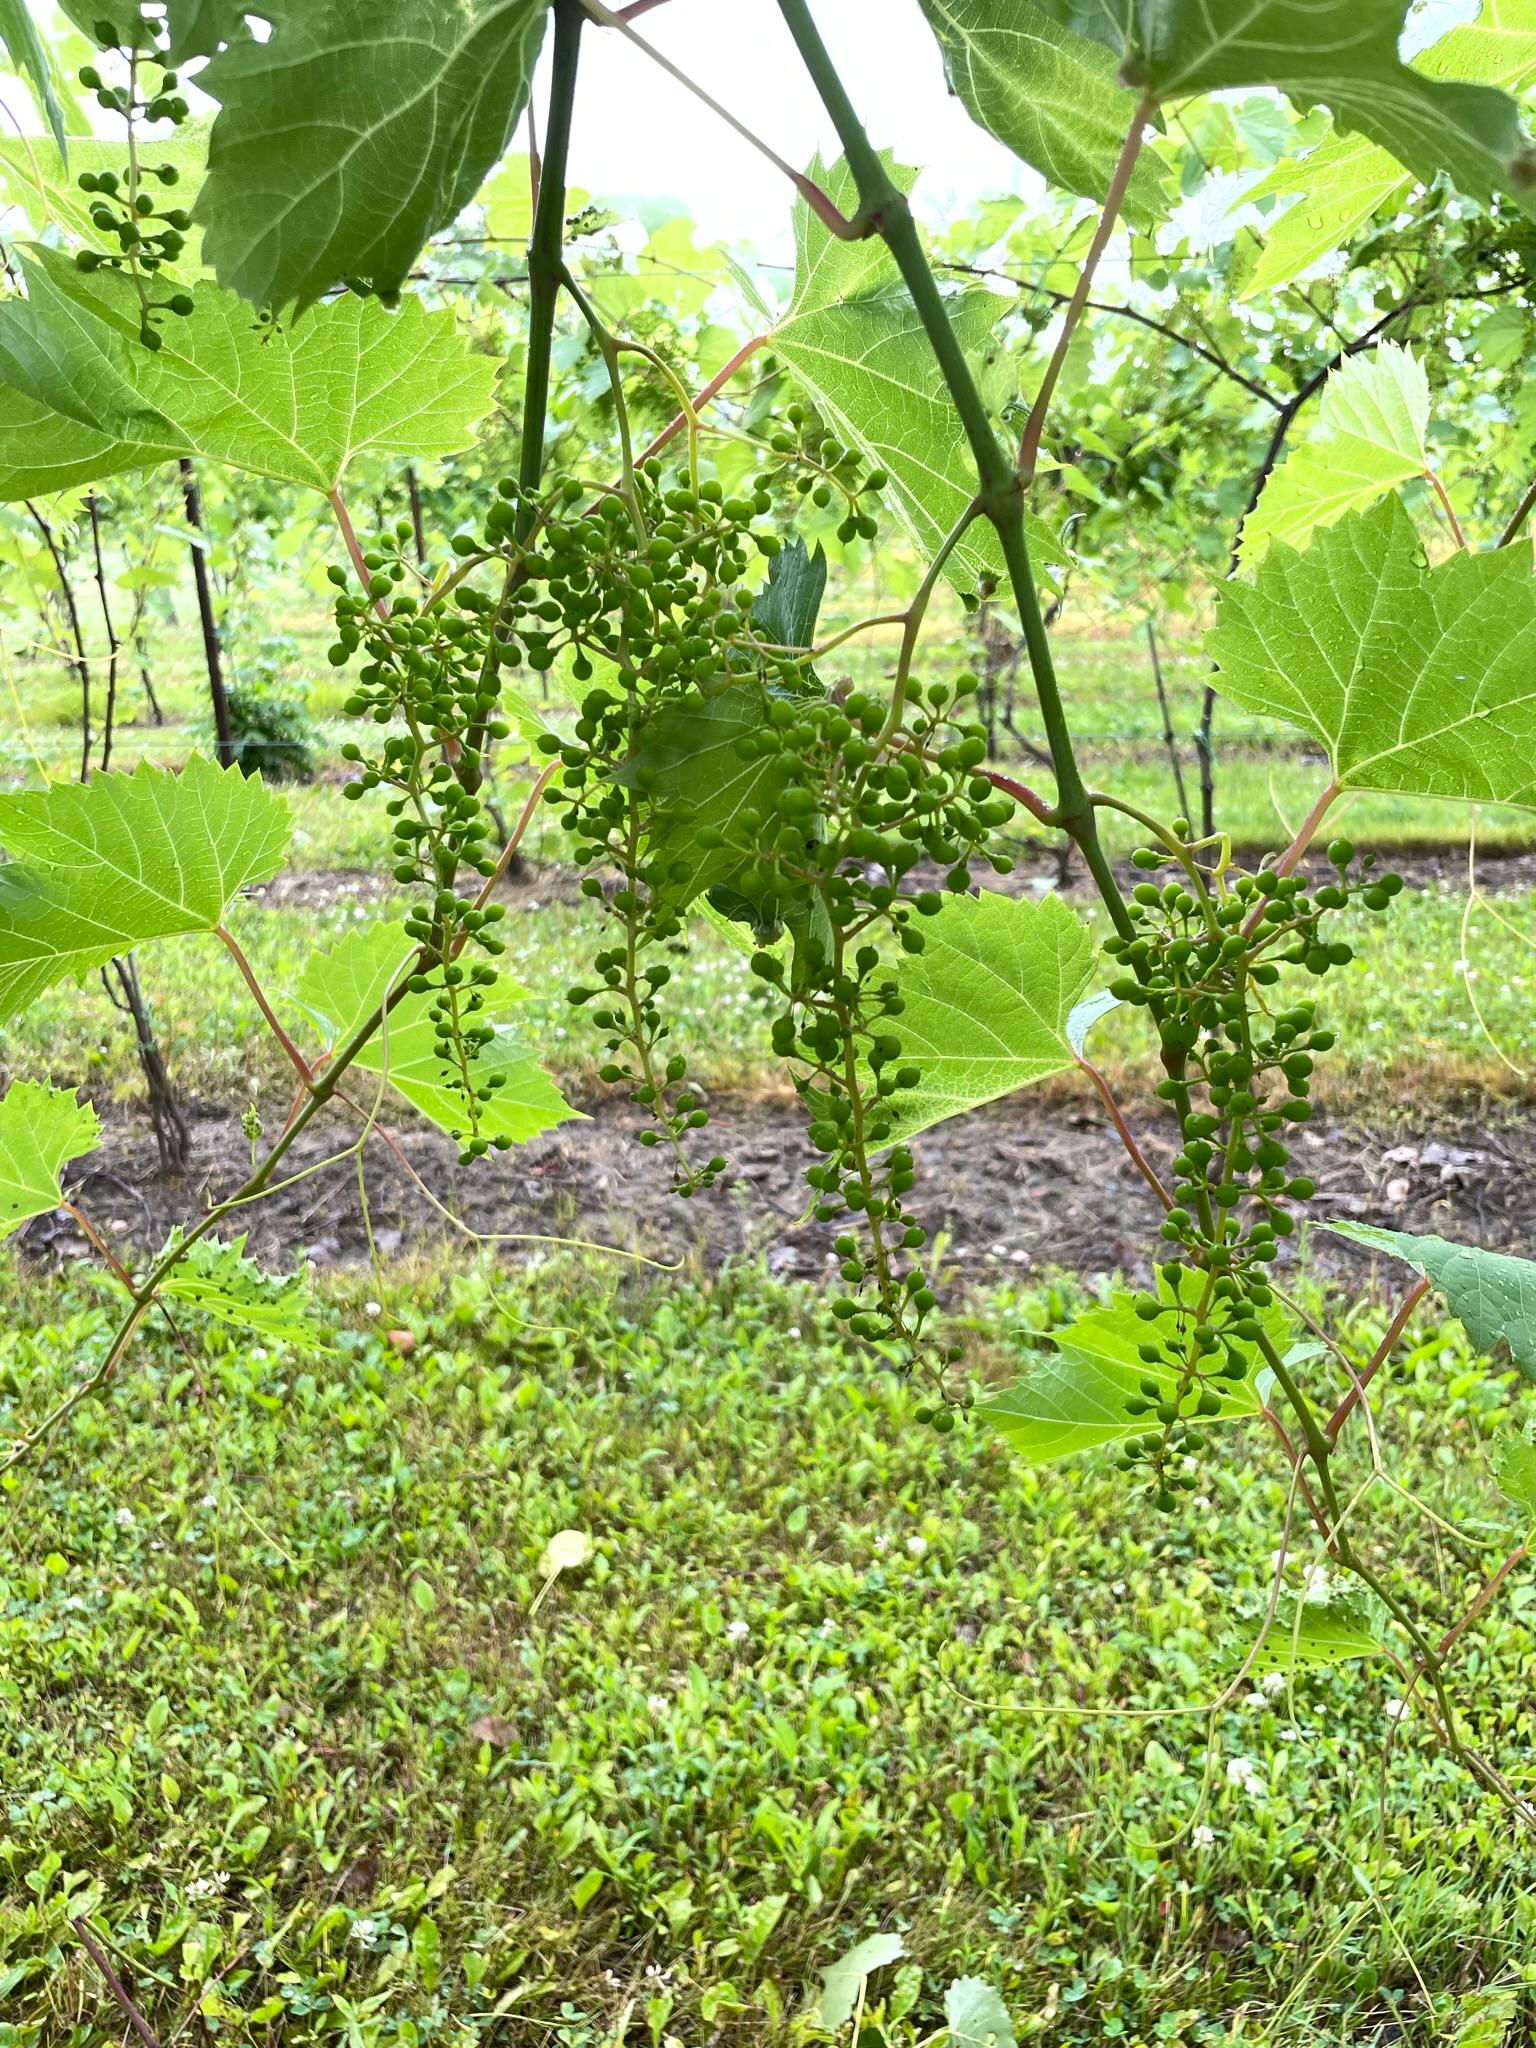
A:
822, 470
432, 681
144, 235
1239, 1065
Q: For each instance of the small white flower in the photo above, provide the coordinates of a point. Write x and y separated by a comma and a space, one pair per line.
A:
1256, 1699
1395, 1709
125, 1518
1203, 1837
209, 1500
737, 1631
828, 1629
916, 1545
373, 1308
882, 1542
656, 1703
1243, 1772
1273, 1682
365, 1932
655, 1974
1316, 1586
1290, 1735
1191, 1465
793, 1330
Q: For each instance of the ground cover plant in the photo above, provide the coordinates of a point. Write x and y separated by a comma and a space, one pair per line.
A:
599, 580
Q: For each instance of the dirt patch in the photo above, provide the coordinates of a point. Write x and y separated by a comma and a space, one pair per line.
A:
1017, 1187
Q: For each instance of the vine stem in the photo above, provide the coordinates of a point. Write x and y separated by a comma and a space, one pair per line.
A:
1119, 184
1306, 833
884, 210
1447, 508
115, 1984
103, 1248
338, 505
1378, 1359
504, 859
1139, 1159
1518, 517
248, 975
712, 389
1448, 1640
1028, 799
912, 624
546, 254
825, 208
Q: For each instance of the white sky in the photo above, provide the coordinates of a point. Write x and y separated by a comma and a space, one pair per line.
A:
637, 131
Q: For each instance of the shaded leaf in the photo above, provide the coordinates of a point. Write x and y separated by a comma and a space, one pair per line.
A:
1308, 1633
197, 27
697, 780
853, 338
1074, 1395
29, 56
354, 131
976, 2015
96, 869
1490, 1293
1372, 421
1339, 53
840, 1981
300, 404
41, 1129
1050, 96
343, 987
785, 610
987, 1001
219, 1281
1415, 678
1514, 1468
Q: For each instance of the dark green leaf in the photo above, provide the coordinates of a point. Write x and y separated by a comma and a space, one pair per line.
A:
1492, 1294
353, 132
785, 610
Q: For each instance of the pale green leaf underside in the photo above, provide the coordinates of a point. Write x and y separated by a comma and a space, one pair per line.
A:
840, 1981
987, 1001
45, 190
1491, 1294
1342, 54
853, 338
343, 987
977, 2016
41, 1129
1514, 1467
1049, 96
345, 379
1372, 421
97, 869
1307, 1634
1347, 178
1073, 1398
1416, 679
218, 1280
353, 132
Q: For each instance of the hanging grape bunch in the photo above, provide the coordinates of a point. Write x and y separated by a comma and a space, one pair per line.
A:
142, 234
1207, 964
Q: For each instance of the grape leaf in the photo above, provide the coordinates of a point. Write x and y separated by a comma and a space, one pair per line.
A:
1338, 53
986, 1002
693, 774
41, 451
42, 186
40, 1129
1048, 95
1417, 679
1307, 1633
197, 27
853, 338
344, 379
353, 132
1347, 178
840, 1981
785, 610
343, 987
1514, 1467
1073, 1397
1372, 421
96, 869
1491, 1294
28, 55
219, 1281
977, 2016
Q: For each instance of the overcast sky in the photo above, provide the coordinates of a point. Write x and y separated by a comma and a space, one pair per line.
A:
638, 131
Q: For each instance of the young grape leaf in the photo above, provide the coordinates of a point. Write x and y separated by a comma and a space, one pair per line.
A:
840, 1981
1417, 679
785, 610
40, 1130
343, 987
853, 338
987, 1001
977, 2015
354, 131
1490, 1293
299, 404
218, 1280
1372, 421
1347, 178
1306, 1634
29, 55
1514, 1467
688, 763
1338, 53
1074, 1397
96, 869
1048, 95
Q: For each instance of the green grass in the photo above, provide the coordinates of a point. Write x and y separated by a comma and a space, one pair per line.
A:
283, 1706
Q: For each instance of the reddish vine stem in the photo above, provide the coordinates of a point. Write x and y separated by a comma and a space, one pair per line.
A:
1119, 185
1379, 1357
103, 1248
1481, 1602
115, 1985
1138, 1158
712, 389
1300, 1477
1447, 508
1029, 799
354, 547
232, 945
1306, 833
